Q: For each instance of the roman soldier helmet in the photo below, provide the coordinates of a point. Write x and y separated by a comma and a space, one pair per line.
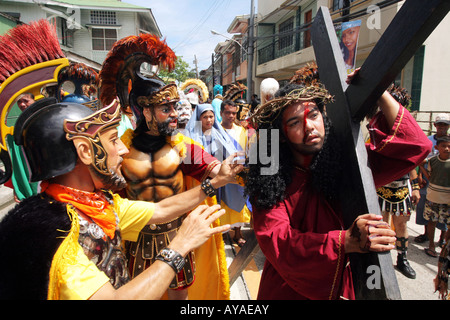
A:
308, 75
30, 60
235, 93
45, 130
128, 73
196, 91
80, 81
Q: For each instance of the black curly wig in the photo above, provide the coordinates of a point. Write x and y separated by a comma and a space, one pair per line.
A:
265, 191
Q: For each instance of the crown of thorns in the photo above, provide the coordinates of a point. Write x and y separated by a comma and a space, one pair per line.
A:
268, 112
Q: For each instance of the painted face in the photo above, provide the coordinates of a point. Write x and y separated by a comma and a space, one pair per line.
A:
165, 116
184, 111
303, 127
228, 115
115, 150
350, 37
207, 119
243, 114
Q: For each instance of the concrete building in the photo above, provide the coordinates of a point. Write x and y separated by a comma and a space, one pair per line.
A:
284, 44
229, 61
86, 29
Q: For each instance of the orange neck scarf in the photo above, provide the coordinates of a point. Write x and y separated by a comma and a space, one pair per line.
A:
92, 204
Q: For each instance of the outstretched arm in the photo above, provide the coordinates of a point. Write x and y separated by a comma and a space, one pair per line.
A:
172, 207
154, 281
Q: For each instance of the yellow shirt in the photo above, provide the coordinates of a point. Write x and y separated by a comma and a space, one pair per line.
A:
82, 279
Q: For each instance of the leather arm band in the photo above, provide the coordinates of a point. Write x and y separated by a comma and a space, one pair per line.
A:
415, 184
172, 258
208, 188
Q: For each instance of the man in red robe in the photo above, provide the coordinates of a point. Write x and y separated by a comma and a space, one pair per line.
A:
297, 218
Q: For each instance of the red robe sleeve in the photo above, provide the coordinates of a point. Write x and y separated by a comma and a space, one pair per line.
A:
393, 152
198, 163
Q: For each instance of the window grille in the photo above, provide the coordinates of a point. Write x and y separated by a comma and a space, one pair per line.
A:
288, 40
103, 17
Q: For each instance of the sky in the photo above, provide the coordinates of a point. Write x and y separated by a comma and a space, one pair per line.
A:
186, 24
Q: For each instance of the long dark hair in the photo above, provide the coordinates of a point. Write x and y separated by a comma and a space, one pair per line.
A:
265, 191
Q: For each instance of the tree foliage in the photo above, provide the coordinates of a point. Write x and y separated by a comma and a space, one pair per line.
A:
181, 72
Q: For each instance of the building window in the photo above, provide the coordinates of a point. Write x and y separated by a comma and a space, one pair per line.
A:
339, 4
103, 17
65, 34
288, 40
103, 39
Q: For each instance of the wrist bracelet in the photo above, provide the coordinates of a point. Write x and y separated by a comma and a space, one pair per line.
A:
415, 184
172, 258
208, 188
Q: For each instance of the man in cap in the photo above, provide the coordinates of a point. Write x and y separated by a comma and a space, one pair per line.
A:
441, 124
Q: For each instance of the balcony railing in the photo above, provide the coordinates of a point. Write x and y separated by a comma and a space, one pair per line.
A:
283, 45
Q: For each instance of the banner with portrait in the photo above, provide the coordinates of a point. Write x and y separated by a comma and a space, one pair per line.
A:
348, 35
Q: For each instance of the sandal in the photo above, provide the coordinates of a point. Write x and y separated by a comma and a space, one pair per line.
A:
240, 242
421, 239
430, 252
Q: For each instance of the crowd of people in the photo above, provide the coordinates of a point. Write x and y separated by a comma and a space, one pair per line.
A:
128, 189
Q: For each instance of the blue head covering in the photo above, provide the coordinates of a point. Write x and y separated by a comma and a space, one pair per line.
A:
219, 143
218, 89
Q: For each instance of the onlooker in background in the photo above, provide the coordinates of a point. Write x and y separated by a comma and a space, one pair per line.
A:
438, 192
25, 100
254, 103
441, 123
217, 101
203, 128
228, 112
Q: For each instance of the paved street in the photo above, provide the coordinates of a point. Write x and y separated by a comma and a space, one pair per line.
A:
246, 287
421, 288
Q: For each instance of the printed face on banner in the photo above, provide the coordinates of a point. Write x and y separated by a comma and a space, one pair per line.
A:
348, 35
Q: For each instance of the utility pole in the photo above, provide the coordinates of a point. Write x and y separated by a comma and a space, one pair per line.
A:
213, 71
196, 66
250, 52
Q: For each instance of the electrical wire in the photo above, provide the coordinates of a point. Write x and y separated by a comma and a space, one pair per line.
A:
213, 8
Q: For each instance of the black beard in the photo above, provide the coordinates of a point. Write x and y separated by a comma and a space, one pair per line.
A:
112, 182
163, 127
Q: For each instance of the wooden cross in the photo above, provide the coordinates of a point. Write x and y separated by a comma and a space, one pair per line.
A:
415, 21
408, 30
